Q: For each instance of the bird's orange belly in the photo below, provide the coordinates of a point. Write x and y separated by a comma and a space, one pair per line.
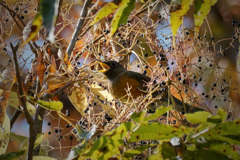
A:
126, 89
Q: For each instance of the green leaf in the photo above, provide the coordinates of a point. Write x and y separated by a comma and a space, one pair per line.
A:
52, 106
199, 117
105, 148
12, 155
168, 151
49, 11
105, 11
138, 116
39, 139
108, 145
43, 158
204, 154
222, 113
157, 156
224, 149
228, 132
132, 152
159, 112
191, 147
178, 10
122, 15
202, 8
17, 138
157, 131
4, 135
215, 119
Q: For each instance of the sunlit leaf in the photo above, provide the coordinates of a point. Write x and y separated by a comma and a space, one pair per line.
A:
78, 98
222, 114
31, 30
199, 117
122, 14
132, 152
43, 158
228, 132
178, 10
17, 138
158, 112
201, 9
105, 11
52, 106
102, 93
223, 148
4, 135
156, 131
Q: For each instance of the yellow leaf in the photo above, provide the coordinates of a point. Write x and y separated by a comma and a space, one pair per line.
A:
52, 106
78, 98
34, 28
122, 14
105, 11
202, 8
178, 10
103, 94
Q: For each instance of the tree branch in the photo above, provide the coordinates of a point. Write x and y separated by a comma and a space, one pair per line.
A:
14, 117
24, 103
78, 27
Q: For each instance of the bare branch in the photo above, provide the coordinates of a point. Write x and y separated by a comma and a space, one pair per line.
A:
78, 27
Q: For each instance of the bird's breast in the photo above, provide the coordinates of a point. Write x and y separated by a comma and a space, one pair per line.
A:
125, 87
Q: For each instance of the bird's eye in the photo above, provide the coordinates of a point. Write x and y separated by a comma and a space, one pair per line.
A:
113, 64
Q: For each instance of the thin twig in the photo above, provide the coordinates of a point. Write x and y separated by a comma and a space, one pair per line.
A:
24, 104
78, 27
14, 117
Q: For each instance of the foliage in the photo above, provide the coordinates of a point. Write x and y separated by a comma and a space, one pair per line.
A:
214, 139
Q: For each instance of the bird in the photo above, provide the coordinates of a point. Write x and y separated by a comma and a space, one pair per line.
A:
121, 81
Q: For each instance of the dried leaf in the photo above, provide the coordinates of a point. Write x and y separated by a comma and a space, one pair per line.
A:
78, 98
8, 78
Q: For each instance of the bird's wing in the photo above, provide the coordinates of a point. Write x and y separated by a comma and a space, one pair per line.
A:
142, 79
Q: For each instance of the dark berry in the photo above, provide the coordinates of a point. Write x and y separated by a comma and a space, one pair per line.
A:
144, 72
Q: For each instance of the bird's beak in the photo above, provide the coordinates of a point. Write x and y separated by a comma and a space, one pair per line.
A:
104, 66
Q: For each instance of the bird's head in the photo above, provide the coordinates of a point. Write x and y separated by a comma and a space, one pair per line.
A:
111, 69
